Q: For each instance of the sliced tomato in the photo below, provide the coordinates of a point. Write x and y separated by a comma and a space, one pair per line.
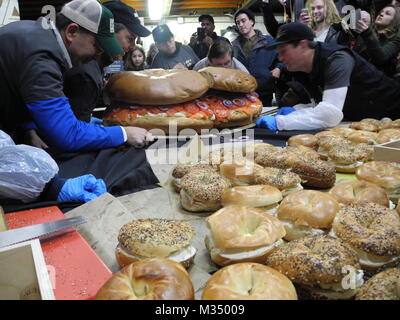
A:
191, 108
222, 114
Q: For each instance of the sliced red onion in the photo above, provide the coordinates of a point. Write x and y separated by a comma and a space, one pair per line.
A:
227, 103
239, 102
202, 105
251, 98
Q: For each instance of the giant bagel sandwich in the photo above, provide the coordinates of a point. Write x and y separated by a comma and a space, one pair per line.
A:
156, 98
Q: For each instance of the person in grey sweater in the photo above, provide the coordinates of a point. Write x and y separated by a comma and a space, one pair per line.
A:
171, 54
220, 55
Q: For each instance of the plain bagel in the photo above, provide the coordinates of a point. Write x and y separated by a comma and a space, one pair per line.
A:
149, 279
156, 86
248, 281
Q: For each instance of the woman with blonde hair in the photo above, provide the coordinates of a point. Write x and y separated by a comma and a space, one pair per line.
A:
324, 19
379, 42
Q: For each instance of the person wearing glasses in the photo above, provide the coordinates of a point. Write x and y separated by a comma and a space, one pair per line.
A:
220, 55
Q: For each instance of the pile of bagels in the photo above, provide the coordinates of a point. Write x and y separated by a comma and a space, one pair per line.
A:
158, 98
279, 225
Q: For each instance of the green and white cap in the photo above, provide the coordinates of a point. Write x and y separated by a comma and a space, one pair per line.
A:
94, 17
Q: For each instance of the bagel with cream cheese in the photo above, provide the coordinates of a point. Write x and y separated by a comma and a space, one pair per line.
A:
372, 230
263, 197
242, 234
150, 238
316, 264
383, 173
307, 212
353, 192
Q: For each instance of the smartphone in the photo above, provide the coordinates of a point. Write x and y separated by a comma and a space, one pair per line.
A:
201, 34
358, 14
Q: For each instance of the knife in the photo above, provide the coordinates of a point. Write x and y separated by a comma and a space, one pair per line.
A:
42, 231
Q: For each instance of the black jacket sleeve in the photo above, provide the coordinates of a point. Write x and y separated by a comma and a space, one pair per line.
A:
270, 22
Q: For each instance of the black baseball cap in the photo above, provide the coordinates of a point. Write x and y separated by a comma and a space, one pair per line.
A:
161, 33
293, 31
128, 17
206, 16
248, 12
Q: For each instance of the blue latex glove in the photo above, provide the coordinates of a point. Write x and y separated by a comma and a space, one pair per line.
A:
83, 188
94, 120
267, 122
285, 110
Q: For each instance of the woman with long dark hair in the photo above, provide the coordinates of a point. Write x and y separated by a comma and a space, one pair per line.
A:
135, 59
379, 42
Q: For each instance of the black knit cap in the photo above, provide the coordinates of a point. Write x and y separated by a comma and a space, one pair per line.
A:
248, 12
290, 32
206, 16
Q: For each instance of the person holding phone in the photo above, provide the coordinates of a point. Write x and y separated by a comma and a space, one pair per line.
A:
379, 42
324, 19
202, 40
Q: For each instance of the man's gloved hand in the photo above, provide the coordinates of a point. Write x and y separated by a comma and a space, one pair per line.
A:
83, 188
267, 122
94, 120
285, 110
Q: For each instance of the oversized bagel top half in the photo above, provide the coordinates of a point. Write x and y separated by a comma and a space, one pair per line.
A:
156, 86
231, 80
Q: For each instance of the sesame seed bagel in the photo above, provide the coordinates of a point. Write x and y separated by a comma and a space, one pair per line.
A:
326, 142
316, 173
248, 281
307, 140
148, 238
391, 124
353, 192
347, 158
363, 125
181, 169
149, 279
343, 131
382, 286
279, 158
375, 122
370, 229
388, 135
282, 179
202, 190
313, 260
362, 136
303, 152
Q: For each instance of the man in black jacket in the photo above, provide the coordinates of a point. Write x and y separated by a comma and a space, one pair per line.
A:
202, 40
340, 83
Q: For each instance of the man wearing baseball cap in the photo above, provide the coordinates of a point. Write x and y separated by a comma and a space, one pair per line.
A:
340, 83
171, 54
32, 65
84, 85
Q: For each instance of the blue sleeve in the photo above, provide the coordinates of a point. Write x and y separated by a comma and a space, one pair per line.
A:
57, 123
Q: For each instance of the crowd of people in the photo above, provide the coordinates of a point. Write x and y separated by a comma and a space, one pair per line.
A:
331, 71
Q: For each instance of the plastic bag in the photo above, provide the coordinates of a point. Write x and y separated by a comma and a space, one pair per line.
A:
5, 140
24, 172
